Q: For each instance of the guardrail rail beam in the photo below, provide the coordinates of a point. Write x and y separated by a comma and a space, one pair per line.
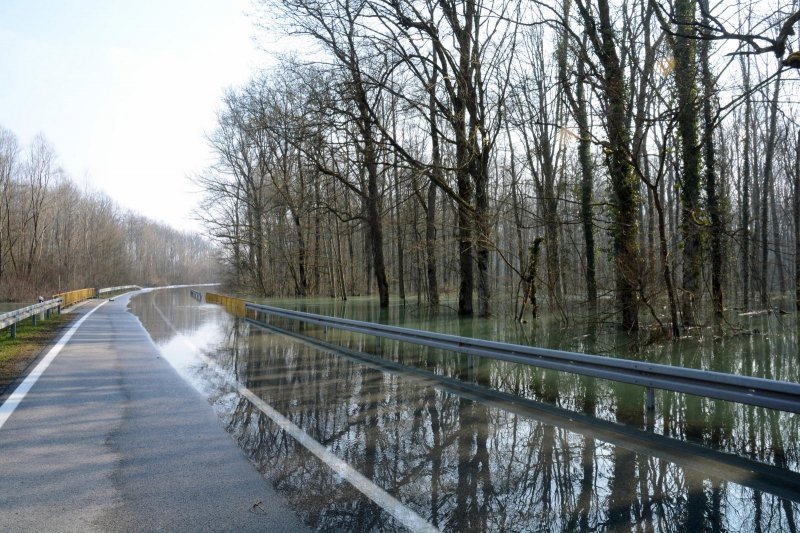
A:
761, 392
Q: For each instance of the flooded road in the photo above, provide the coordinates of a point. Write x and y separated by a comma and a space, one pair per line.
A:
474, 445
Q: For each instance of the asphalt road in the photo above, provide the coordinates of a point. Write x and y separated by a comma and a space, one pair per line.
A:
110, 438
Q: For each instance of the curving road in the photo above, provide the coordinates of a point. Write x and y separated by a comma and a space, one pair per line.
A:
110, 438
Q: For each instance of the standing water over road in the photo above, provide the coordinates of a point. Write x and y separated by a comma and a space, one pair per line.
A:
467, 458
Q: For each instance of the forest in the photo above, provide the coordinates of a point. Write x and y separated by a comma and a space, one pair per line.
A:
56, 237
635, 162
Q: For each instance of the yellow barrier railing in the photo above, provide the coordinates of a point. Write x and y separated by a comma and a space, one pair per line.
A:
235, 306
73, 297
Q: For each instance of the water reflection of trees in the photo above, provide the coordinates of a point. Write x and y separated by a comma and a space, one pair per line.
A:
176, 305
467, 466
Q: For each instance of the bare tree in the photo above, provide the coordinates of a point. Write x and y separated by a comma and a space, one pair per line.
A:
625, 201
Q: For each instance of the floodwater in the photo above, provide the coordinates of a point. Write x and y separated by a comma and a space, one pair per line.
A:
477, 445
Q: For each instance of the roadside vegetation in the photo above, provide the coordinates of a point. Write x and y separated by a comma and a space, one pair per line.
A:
16, 354
56, 236
633, 162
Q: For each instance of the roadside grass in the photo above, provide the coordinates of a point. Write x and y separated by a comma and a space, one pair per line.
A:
16, 354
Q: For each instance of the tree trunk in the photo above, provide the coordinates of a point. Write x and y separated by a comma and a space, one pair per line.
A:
776, 239
401, 283
317, 237
483, 238
796, 208
465, 158
302, 282
712, 193
530, 279
766, 190
685, 81
624, 185
585, 160
745, 203
430, 213
430, 246
665, 260
372, 200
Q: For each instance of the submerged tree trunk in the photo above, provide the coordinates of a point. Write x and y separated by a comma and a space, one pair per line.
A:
372, 200
430, 246
776, 239
624, 185
530, 279
796, 209
401, 283
665, 260
765, 191
430, 213
483, 240
585, 160
712, 192
466, 278
302, 282
745, 203
465, 159
685, 81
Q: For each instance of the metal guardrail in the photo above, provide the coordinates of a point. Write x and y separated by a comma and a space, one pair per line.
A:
772, 394
117, 289
197, 295
73, 297
742, 470
64, 299
12, 318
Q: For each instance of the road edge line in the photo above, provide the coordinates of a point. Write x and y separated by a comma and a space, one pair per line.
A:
16, 397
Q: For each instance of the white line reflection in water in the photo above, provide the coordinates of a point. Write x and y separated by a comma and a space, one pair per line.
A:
406, 516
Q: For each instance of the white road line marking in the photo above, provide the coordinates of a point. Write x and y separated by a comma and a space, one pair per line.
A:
19, 393
406, 516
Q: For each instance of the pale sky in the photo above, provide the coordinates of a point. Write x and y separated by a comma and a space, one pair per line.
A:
125, 90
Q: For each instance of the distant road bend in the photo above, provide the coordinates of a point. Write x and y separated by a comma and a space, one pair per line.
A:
104, 435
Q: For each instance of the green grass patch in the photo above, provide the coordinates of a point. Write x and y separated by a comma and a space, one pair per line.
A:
16, 354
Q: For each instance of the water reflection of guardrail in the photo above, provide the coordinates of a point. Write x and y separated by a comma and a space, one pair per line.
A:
742, 470
772, 394
12, 318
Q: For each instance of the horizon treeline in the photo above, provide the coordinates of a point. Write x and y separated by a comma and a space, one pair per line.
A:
56, 237
637, 161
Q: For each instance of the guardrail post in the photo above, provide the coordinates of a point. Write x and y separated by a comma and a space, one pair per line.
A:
14, 330
47, 314
378, 349
650, 399
33, 318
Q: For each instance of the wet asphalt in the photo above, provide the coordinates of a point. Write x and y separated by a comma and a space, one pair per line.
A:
111, 438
